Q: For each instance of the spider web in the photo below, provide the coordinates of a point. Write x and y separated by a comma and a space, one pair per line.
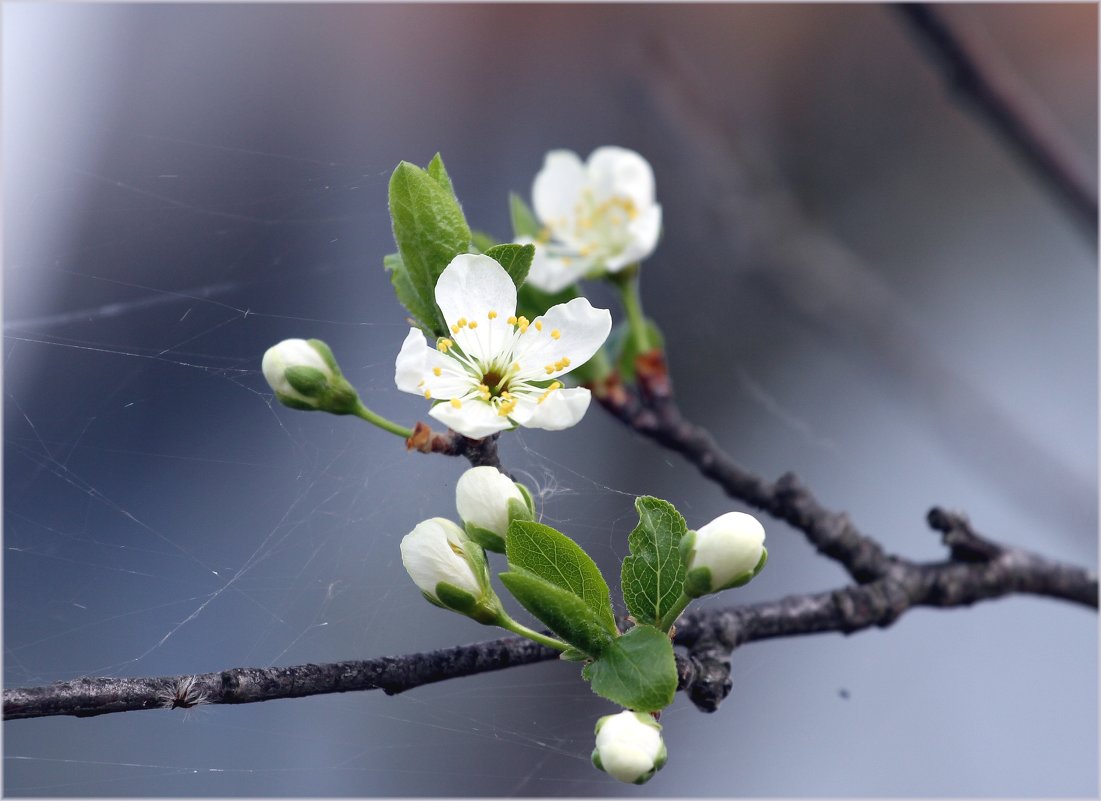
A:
164, 516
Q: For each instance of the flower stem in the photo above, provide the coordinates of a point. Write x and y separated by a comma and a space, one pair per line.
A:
509, 624
627, 281
672, 615
364, 413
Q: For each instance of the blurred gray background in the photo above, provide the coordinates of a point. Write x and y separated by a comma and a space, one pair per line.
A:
857, 282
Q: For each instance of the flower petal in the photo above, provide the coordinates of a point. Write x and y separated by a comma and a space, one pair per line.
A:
474, 418
581, 330
557, 188
644, 232
553, 273
561, 408
476, 297
410, 367
617, 171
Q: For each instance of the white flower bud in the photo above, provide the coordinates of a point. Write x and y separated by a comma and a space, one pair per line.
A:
726, 552
482, 497
304, 375
629, 746
434, 552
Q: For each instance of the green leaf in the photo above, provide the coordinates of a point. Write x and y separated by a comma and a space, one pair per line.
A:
554, 557
516, 259
481, 240
439, 173
653, 575
560, 610
621, 345
426, 316
429, 229
531, 302
638, 671
523, 219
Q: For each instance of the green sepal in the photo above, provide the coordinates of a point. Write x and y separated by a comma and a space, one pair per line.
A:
596, 761
697, 582
326, 354
528, 498
523, 218
652, 578
571, 654
621, 348
432, 600
560, 610
486, 538
429, 229
554, 557
310, 381
516, 259
519, 510
455, 599
638, 671
295, 403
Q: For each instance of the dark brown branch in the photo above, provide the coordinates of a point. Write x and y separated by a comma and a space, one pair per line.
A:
709, 636
450, 443
1007, 107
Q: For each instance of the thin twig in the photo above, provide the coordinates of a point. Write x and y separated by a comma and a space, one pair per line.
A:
708, 635
478, 452
1006, 105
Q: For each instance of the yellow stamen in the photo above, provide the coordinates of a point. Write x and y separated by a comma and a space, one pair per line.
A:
436, 371
511, 320
522, 324
428, 394
556, 334
549, 368
444, 344
473, 324
458, 404
454, 329
516, 367
461, 322
492, 315
538, 325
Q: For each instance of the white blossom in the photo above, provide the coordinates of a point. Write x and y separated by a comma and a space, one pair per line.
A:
600, 215
434, 552
482, 495
730, 548
629, 746
498, 370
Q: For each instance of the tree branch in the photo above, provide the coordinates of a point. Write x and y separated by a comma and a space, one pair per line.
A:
451, 443
704, 672
1006, 105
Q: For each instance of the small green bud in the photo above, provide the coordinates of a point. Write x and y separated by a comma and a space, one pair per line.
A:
305, 376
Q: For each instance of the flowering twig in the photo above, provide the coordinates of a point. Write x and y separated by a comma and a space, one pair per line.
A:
1007, 106
708, 635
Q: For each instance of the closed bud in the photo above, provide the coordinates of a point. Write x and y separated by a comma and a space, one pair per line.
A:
450, 569
629, 747
727, 552
488, 501
305, 376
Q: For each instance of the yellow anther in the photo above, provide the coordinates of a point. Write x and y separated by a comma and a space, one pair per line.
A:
461, 322
454, 329
483, 388
444, 344
436, 371
511, 320
516, 367
473, 324
538, 325
549, 368
458, 404
556, 334
522, 324
428, 394
506, 395
555, 385
565, 361
492, 315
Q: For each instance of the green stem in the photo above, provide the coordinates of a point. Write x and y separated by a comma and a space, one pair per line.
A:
672, 615
364, 413
627, 281
509, 624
